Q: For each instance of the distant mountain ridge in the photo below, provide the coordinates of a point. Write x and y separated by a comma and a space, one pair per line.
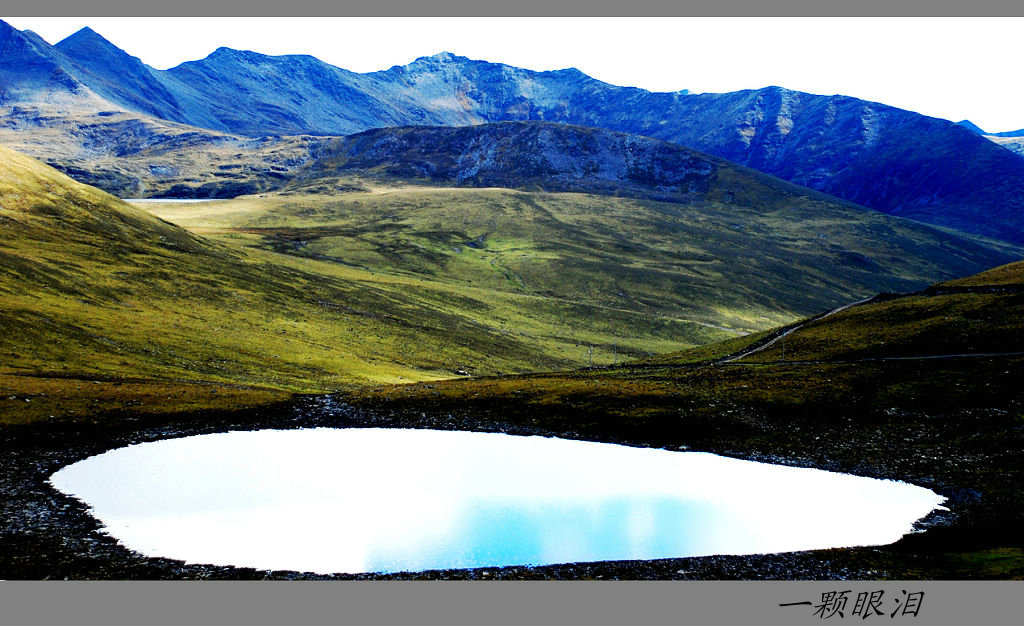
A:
968, 124
1012, 140
885, 158
544, 155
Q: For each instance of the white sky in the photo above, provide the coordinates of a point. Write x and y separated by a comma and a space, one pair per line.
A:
953, 68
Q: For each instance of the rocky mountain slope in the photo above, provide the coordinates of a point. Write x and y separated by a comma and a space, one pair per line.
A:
535, 155
132, 155
33, 72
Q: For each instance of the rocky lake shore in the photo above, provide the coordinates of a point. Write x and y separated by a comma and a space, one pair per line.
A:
48, 535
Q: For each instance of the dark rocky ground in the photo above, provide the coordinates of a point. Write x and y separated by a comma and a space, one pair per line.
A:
47, 535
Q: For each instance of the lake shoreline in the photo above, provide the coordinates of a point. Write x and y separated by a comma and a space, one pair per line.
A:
49, 535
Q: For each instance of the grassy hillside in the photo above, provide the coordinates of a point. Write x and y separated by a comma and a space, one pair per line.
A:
105, 307
355, 281
744, 257
976, 315
946, 342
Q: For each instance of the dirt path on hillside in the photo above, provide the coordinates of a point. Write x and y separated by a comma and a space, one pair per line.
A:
884, 297
787, 330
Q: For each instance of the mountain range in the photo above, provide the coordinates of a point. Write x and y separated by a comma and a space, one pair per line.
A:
888, 159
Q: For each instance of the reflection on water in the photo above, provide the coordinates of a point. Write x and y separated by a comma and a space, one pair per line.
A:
362, 500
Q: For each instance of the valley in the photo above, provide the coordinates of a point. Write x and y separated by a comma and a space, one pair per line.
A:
334, 281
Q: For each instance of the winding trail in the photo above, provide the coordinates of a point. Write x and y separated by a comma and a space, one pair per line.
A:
785, 330
921, 357
930, 291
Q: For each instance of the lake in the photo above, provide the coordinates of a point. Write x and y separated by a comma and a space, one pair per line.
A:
171, 200
385, 500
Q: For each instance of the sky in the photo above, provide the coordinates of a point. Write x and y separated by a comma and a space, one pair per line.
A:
952, 68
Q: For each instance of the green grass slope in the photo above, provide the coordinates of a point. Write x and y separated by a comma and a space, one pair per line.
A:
104, 306
977, 315
744, 256
967, 327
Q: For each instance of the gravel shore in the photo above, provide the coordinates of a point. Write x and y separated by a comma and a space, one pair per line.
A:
47, 535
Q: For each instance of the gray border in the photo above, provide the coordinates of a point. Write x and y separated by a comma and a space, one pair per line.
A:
568, 603
751, 8
509, 603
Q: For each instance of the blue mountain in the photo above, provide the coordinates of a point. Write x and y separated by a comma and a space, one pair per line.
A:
31, 70
117, 76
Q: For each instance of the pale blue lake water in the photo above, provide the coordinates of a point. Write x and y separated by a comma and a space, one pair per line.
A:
385, 500
171, 200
